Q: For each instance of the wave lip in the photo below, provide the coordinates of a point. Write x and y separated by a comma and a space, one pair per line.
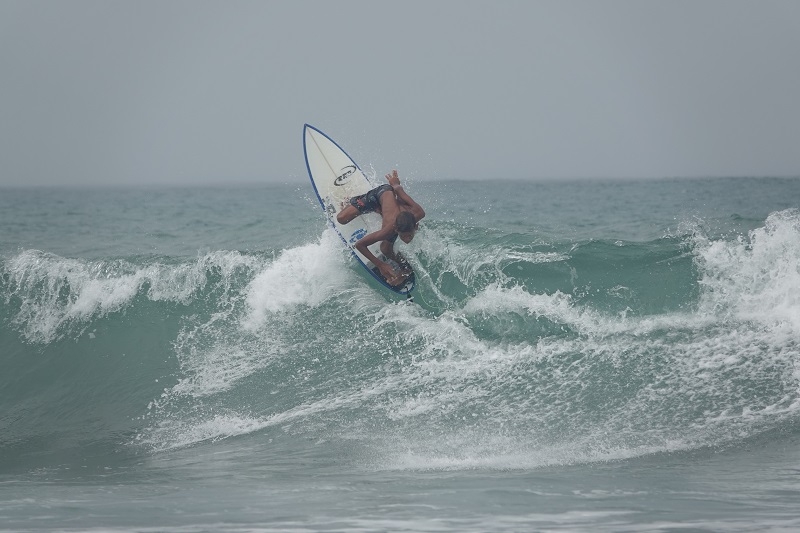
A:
56, 296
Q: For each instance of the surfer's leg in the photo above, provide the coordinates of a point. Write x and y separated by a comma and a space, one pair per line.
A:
347, 214
366, 203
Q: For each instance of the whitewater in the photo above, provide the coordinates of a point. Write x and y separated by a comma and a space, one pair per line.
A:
612, 355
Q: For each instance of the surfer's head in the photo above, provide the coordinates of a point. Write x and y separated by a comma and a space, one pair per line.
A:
406, 226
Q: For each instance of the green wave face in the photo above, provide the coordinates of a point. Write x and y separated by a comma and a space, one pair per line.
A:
520, 350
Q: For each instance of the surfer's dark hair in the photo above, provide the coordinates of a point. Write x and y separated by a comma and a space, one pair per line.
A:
404, 222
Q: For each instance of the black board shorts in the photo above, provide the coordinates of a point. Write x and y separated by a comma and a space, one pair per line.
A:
371, 201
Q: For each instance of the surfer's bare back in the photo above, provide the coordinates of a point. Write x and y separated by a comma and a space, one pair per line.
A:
401, 216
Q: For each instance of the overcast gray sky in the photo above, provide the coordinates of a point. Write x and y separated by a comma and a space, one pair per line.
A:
198, 92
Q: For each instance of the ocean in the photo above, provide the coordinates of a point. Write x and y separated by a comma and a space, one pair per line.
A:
606, 355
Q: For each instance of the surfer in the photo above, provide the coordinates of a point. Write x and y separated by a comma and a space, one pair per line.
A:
401, 216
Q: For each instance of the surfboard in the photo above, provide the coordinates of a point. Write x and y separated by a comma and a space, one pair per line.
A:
336, 178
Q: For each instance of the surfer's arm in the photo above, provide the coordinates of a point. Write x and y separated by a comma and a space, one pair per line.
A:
416, 209
369, 239
402, 195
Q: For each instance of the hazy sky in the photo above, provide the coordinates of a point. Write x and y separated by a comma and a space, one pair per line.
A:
201, 92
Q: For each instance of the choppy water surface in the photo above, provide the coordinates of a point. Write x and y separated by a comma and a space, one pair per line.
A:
612, 355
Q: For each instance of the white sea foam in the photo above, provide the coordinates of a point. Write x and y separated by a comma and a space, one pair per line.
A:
241, 338
60, 294
560, 309
192, 429
305, 275
480, 450
757, 278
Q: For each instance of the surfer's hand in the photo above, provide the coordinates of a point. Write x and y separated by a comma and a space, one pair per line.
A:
393, 179
392, 277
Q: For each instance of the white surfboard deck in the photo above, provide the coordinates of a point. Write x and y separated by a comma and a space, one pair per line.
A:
337, 178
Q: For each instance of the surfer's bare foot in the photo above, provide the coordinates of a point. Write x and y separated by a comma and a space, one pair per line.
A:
396, 280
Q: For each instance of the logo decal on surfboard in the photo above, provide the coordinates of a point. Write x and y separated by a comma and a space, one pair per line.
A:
357, 235
346, 173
